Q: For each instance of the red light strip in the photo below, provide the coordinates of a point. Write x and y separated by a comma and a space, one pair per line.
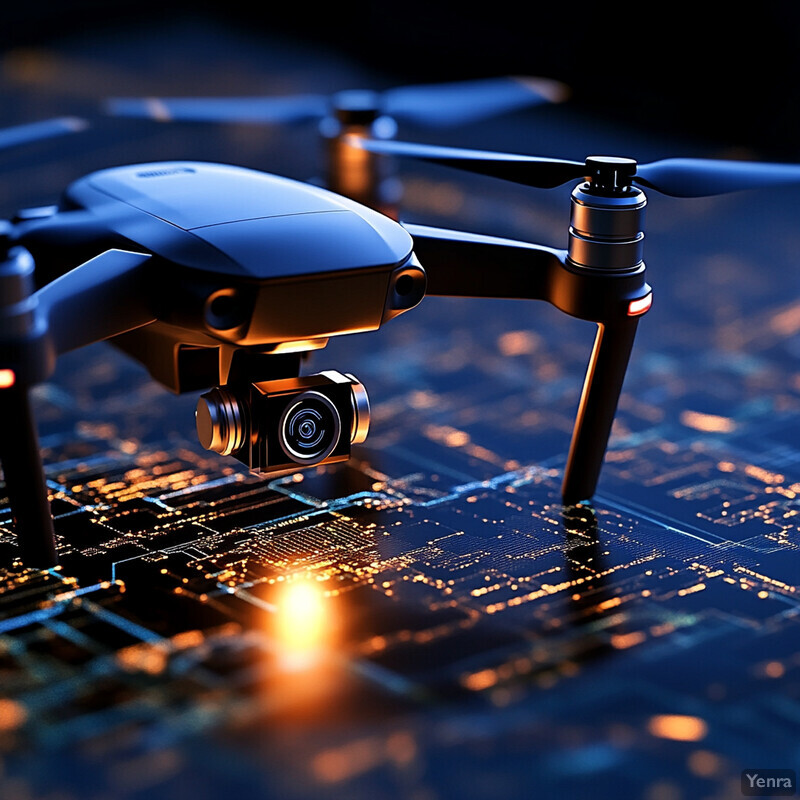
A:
636, 307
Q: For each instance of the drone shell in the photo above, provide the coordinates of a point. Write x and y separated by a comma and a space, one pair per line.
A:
240, 221
243, 256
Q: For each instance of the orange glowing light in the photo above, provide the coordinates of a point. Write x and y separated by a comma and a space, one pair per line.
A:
774, 669
707, 423
622, 641
677, 727
7, 378
150, 658
518, 343
302, 617
12, 714
478, 681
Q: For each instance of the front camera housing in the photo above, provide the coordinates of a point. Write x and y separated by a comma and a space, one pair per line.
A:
284, 425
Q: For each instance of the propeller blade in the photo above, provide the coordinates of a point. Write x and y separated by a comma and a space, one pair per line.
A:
297, 108
544, 173
463, 102
698, 177
34, 131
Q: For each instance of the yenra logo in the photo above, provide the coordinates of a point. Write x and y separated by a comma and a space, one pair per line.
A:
769, 782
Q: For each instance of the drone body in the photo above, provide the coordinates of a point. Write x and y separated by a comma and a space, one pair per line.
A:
238, 259
218, 277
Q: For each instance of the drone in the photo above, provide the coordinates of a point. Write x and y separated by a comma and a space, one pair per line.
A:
361, 113
220, 278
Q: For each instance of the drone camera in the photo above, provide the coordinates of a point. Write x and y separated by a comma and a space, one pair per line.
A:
407, 285
284, 425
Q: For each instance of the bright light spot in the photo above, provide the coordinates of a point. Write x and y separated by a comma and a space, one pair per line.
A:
622, 641
7, 378
774, 669
478, 681
707, 423
677, 727
150, 658
12, 714
636, 307
302, 620
518, 343
457, 439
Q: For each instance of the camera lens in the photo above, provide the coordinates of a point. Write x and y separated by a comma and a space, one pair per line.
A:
309, 428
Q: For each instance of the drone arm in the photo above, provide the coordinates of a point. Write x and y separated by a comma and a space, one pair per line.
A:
101, 298
460, 264
470, 265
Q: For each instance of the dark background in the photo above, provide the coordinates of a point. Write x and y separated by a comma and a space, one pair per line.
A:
698, 70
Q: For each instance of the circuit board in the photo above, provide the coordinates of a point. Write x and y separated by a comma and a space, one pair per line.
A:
427, 620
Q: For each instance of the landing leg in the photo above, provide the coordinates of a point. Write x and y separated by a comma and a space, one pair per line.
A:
24, 477
601, 391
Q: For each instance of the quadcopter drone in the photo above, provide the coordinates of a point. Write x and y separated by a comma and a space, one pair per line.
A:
362, 113
255, 270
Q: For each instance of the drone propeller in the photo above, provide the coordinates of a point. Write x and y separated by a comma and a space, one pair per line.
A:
433, 104
34, 131
461, 103
544, 173
676, 177
701, 177
300, 108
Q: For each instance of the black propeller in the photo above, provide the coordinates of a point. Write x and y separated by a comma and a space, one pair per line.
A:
34, 131
677, 177
434, 105
701, 177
